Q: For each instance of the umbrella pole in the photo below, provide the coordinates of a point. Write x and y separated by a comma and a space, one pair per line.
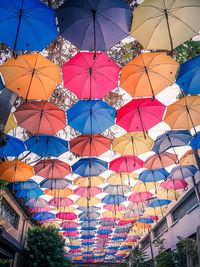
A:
153, 94
186, 107
170, 36
18, 27
141, 122
94, 28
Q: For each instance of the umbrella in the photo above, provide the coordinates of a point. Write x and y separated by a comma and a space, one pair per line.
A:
182, 172
55, 183
61, 202
120, 178
143, 187
89, 167
188, 76
41, 216
31, 25
96, 23
155, 211
148, 74
90, 145
35, 202
87, 191
60, 193
15, 171
88, 216
86, 224
33, 76
113, 199
29, 184
140, 114
13, 148
89, 209
125, 164
153, 175
11, 124
85, 202
93, 116
140, 196
66, 215
47, 145
174, 184
29, 193
184, 113
195, 142
117, 189
113, 207
165, 25
64, 209
40, 117
69, 224
88, 77
112, 214
160, 161
52, 169
169, 194
88, 181
171, 139
132, 144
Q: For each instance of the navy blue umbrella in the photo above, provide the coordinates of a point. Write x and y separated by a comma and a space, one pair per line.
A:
89, 167
153, 175
171, 139
195, 142
113, 199
94, 24
93, 116
41, 216
188, 77
29, 193
29, 184
104, 231
47, 145
118, 238
27, 24
87, 236
158, 202
145, 220
13, 148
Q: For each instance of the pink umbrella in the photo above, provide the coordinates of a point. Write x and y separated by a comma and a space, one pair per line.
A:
74, 250
140, 197
120, 234
66, 215
89, 240
101, 248
162, 160
67, 224
61, 202
130, 240
90, 260
71, 233
125, 222
103, 236
174, 184
90, 78
126, 164
102, 242
113, 207
40, 209
121, 255
109, 219
88, 191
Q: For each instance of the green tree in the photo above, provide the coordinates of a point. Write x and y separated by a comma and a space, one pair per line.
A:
187, 51
45, 247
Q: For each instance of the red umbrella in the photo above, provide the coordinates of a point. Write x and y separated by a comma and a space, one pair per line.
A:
40, 117
52, 169
140, 197
87, 191
88, 77
40, 209
66, 215
90, 145
140, 114
61, 202
113, 207
160, 161
174, 184
126, 164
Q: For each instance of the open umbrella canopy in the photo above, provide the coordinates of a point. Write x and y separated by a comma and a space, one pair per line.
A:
195, 142
148, 74
113, 199
29, 184
125, 164
33, 76
61, 202
140, 196
182, 172
52, 169
29, 193
169, 194
88, 181
35, 202
47, 145
66, 215
93, 116
41, 216
31, 25
165, 25
90, 145
90, 78
87, 202
160, 161
13, 148
55, 183
60, 193
11, 124
117, 189
89, 167
174, 184
155, 202
40, 117
114, 207
120, 178
95, 21
153, 175
87, 191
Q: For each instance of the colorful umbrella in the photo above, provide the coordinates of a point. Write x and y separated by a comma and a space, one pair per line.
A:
47, 145
143, 187
96, 23
155, 202
33, 76
29, 193
89, 167
13, 148
169, 194
66, 215
148, 74
93, 116
90, 78
132, 144
140, 196
55, 183
117, 189
60, 193
35, 202
153, 175
165, 25
125, 164
188, 158
61, 202
43, 216
52, 169
87, 191
40, 117
11, 124
113, 207
140, 114
182, 172
88, 181
113, 199
174, 184
89, 209
160, 161
85, 202
90, 145
15, 171
120, 178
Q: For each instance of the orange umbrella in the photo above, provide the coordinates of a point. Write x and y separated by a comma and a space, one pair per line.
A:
15, 171
160, 161
59, 192
87, 202
32, 76
148, 74
188, 158
88, 181
184, 113
142, 225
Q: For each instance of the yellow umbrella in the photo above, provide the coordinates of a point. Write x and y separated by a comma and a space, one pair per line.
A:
75, 242
130, 218
11, 124
132, 144
135, 231
88, 181
188, 158
169, 194
115, 244
54, 224
112, 214
154, 211
84, 201
64, 209
119, 178
144, 187
165, 24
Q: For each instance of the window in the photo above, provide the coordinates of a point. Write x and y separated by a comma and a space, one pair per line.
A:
9, 214
184, 207
160, 228
145, 242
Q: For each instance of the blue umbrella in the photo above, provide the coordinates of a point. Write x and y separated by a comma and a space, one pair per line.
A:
100, 23
89, 209
2, 86
125, 247
67, 229
29, 193
145, 220
88, 228
107, 223
89, 167
104, 231
153, 175
55, 183
35, 202
87, 236
113, 199
87, 252
93, 116
29, 184
195, 142
118, 238
13, 148
182, 172
188, 77
89, 216
90, 224
123, 230
171, 139
27, 24
73, 247
158, 202
73, 237
41, 216
47, 145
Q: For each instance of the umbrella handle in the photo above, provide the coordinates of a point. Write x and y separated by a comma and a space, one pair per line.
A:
14, 54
